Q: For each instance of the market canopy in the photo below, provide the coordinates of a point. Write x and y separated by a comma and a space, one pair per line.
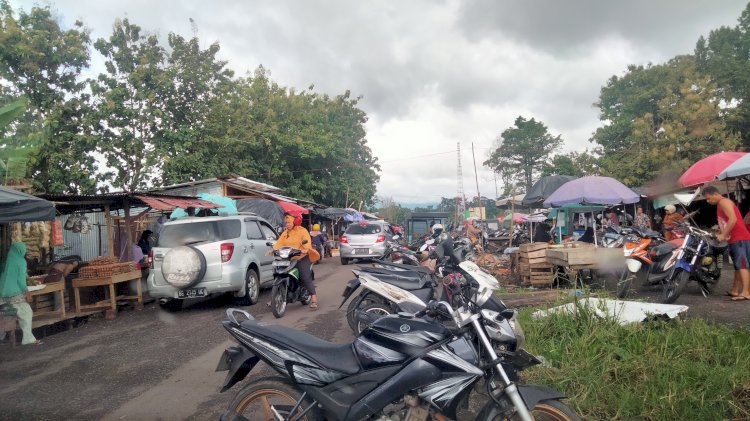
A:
16, 206
510, 200
592, 190
266, 209
738, 168
172, 203
543, 188
708, 168
292, 208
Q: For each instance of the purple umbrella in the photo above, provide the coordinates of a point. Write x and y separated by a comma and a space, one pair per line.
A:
592, 190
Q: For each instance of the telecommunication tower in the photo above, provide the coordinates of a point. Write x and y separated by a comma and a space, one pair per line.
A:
460, 199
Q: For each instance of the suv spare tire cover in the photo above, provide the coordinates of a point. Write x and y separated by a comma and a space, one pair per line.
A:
183, 266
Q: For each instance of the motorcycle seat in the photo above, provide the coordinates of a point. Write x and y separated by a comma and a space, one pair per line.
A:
404, 279
664, 249
333, 356
399, 266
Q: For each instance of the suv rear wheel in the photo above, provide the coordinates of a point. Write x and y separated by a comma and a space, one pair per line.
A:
252, 289
344, 261
171, 305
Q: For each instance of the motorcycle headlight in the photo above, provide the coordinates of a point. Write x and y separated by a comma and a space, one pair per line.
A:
707, 260
633, 265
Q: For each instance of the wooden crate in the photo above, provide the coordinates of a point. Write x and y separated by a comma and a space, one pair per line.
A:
533, 262
46, 302
538, 279
531, 247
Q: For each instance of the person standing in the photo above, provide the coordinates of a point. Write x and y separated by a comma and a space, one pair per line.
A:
614, 219
733, 230
641, 219
295, 235
14, 292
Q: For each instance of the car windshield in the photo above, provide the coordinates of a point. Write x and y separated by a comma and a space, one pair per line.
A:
363, 229
196, 232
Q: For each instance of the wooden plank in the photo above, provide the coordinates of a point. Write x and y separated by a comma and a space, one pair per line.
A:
529, 247
534, 254
534, 261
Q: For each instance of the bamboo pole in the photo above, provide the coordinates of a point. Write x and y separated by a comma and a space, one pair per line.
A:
110, 239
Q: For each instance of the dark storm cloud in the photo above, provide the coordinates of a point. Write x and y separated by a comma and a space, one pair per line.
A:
568, 27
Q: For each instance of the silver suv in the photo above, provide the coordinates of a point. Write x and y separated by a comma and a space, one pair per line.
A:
364, 240
202, 256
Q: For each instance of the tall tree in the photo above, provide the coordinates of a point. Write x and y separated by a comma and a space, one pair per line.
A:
578, 164
195, 111
725, 57
523, 150
129, 106
659, 118
43, 62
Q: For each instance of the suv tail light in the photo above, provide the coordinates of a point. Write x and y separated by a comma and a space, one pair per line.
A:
380, 239
150, 259
343, 240
227, 249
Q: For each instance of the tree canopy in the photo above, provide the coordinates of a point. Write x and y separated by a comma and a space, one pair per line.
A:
163, 114
523, 151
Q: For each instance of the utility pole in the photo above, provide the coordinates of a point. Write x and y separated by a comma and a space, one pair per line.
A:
460, 200
476, 178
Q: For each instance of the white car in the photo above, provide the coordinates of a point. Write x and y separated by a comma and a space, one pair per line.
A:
364, 240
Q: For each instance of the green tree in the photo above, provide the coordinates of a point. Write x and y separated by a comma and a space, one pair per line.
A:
523, 151
725, 57
195, 112
660, 118
128, 106
43, 62
577, 164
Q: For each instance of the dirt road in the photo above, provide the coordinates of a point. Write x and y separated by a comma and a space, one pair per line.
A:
150, 364
155, 365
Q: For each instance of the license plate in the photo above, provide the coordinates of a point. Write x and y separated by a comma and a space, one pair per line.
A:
361, 251
281, 263
191, 293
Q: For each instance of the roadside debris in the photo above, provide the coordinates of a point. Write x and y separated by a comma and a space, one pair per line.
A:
624, 312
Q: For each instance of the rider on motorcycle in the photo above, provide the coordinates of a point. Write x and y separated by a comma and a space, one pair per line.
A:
295, 235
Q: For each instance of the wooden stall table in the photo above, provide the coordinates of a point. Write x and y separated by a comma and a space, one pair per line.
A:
50, 288
573, 259
110, 301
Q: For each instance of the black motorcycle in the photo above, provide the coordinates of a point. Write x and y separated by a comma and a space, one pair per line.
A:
403, 367
287, 287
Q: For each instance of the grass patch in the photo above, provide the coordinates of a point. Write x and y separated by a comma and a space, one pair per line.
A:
658, 370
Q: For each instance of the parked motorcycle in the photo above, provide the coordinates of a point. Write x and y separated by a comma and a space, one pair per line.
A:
287, 287
391, 282
671, 264
397, 253
402, 367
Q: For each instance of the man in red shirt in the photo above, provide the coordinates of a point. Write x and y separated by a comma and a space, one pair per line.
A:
732, 229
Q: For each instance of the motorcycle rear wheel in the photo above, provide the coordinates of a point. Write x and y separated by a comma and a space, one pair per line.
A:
674, 285
259, 400
376, 309
546, 410
278, 299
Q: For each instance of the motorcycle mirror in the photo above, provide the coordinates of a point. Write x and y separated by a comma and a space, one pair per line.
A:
269, 243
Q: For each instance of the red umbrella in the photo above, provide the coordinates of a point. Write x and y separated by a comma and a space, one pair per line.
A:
708, 168
293, 209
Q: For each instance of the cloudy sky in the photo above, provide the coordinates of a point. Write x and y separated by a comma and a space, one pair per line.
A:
435, 73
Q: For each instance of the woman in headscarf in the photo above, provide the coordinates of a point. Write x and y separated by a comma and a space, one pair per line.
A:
15, 293
671, 220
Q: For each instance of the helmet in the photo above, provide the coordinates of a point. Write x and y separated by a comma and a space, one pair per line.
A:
316, 227
670, 208
437, 228
297, 218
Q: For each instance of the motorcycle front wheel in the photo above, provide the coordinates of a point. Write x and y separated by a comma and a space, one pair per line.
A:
546, 410
278, 299
623, 284
270, 399
674, 285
